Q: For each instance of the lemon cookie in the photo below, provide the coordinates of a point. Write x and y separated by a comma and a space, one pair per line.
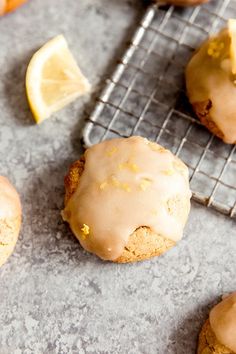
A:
211, 83
218, 335
10, 218
127, 199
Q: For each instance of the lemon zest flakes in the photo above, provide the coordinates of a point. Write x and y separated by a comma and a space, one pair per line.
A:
169, 172
85, 231
178, 165
103, 185
156, 147
129, 166
116, 183
112, 151
215, 49
145, 183
126, 187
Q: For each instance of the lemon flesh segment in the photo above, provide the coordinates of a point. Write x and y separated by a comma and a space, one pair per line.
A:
53, 79
232, 34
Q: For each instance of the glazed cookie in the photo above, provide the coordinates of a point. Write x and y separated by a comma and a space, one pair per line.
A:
127, 199
218, 335
211, 83
182, 2
10, 218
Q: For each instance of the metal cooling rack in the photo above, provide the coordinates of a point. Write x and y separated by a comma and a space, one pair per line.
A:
145, 96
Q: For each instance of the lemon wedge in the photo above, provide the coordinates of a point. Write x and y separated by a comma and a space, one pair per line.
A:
232, 34
53, 79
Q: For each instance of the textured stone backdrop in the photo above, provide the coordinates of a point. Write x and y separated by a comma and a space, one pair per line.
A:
56, 298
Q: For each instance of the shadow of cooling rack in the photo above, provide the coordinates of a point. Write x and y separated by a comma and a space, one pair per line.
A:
145, 96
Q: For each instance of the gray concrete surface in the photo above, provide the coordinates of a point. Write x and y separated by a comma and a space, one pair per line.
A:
56, 298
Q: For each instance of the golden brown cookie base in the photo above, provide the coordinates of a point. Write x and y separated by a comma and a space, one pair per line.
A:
203, 111
71, 180
9, 231
209, 344
142, 244
182, 2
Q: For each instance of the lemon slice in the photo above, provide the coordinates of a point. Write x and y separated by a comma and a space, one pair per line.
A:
53, 79
232, 34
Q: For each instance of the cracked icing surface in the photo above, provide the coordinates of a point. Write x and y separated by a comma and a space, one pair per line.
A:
55, 298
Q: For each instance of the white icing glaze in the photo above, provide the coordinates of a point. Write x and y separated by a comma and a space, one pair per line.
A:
209, 76
10, 206
223, 321
126, 184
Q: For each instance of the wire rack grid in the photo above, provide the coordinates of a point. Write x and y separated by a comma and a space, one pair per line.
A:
145, 96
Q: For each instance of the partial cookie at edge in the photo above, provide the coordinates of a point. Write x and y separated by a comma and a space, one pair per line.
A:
208, 343
10, 219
